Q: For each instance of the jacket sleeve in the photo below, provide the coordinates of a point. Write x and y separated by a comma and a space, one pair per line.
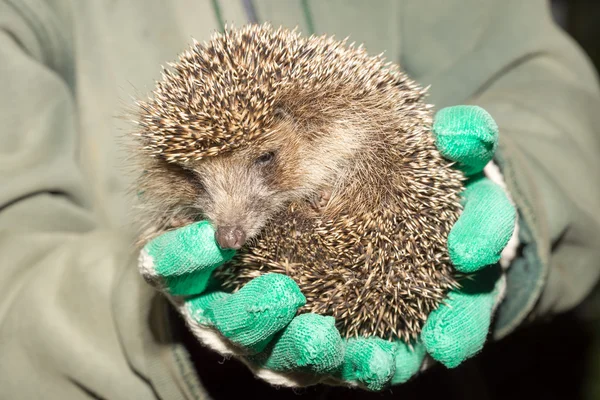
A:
509, 57
58, 336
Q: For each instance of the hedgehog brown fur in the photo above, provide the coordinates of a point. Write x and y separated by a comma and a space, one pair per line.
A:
374, 254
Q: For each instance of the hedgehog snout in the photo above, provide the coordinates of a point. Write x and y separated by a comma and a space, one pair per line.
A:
230, 237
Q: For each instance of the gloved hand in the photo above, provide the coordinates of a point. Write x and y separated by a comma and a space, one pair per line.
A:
259, 324
243, 323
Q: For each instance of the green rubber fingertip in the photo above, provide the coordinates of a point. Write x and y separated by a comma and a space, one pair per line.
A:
484, 227
370, 361
457, 330
186, 257
310, 343
408, 361
467, 135
254, 314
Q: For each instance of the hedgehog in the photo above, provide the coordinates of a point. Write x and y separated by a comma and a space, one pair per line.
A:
312, 159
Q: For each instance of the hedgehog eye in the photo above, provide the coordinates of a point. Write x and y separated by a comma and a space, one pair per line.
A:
265, 159
280, 113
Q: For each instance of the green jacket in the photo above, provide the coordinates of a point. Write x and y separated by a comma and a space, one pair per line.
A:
77, 321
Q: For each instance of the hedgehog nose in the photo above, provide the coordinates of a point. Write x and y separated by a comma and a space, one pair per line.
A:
230, 237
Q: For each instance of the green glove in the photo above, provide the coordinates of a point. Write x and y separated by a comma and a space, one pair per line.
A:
259, 322
180, 262
458, 329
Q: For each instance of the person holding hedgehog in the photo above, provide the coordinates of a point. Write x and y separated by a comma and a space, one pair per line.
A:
78, 321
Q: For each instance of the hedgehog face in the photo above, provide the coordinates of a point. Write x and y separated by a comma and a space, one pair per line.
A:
240, 191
